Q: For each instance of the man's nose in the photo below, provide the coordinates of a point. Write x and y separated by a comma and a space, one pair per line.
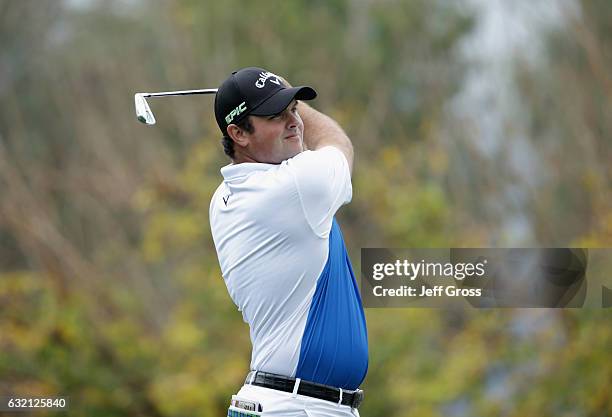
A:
292, 120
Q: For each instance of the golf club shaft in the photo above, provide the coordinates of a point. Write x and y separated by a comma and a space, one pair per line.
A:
181, 93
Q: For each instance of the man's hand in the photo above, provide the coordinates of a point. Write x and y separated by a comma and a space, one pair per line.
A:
321, 130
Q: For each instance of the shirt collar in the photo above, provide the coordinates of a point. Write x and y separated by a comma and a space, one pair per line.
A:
234, 171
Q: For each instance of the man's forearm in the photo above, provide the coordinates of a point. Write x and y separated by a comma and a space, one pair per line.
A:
321, 130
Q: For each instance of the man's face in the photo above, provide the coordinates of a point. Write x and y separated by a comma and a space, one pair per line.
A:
276, 138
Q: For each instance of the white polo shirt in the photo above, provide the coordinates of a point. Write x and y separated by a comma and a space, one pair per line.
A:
285, 266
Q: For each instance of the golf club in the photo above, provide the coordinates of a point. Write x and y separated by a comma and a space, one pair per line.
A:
143, 111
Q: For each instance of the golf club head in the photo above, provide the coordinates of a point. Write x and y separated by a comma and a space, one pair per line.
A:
143, 111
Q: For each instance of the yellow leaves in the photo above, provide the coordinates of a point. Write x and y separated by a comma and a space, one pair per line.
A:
430, 361
182, 394
177, 208
184, 336
29, 310
172, 231
438, 159
17, 282
408, 211
144, 200
592, 180
600, 234
391, 158
132, 343
33, 388
463, 365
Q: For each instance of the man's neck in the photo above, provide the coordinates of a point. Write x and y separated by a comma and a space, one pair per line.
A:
242, 157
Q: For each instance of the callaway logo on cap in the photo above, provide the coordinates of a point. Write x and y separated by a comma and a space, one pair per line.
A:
254, 91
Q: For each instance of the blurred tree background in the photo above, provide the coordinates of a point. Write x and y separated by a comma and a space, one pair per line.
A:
110, 291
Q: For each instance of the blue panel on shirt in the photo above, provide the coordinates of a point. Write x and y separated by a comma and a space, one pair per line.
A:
334, 349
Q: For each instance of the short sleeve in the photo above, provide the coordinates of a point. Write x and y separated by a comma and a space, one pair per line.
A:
323, 181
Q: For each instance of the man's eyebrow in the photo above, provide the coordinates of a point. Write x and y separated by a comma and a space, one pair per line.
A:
293, 104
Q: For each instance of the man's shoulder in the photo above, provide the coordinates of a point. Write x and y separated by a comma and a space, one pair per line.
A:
326, 154
256, 190
216, 197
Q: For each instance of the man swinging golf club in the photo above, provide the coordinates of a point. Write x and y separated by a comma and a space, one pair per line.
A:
281, 250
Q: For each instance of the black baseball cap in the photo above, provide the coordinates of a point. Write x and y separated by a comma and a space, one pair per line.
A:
254, 91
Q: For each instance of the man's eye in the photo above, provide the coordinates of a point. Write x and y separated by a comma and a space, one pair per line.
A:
274, 116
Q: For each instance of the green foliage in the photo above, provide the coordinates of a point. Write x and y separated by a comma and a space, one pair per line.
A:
110, 290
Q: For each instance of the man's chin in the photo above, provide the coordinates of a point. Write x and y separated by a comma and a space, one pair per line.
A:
294, 151
289, 156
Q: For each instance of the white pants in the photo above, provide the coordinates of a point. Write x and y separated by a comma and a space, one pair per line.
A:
278, 403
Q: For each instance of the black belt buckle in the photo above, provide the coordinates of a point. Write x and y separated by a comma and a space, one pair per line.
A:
357, 398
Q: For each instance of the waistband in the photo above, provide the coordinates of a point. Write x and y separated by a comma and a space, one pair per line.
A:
302, 387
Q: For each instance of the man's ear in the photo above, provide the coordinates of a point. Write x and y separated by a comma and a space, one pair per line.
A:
238, 135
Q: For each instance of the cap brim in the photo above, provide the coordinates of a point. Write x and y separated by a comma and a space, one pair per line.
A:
281, 99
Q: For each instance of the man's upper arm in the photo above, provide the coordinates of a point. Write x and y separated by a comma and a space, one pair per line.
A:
348, 154
323, 181
347, 151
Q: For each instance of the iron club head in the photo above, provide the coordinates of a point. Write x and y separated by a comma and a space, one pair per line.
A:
143, 111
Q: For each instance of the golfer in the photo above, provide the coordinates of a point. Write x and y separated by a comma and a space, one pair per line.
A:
281, 251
